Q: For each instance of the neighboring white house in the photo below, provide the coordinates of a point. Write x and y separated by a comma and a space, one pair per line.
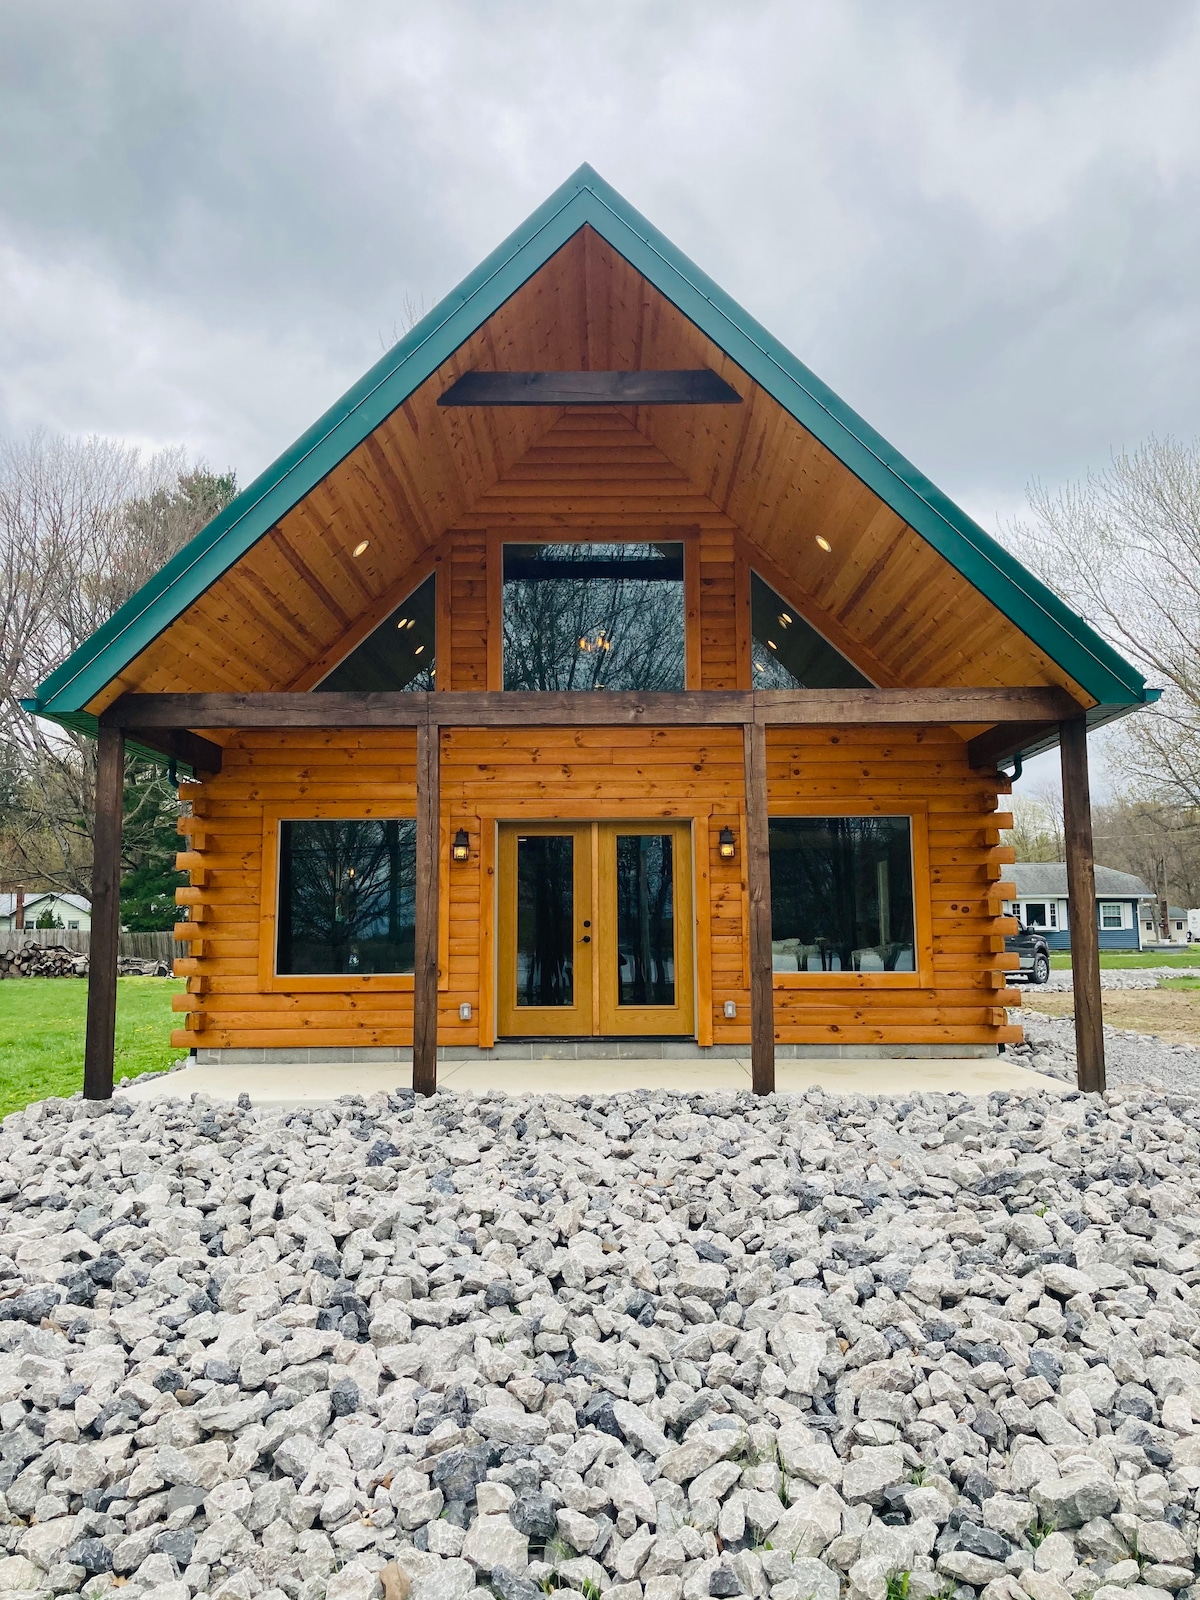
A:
1178, 921
70, 910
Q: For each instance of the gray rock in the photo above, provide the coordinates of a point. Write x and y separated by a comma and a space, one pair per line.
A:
874, 1471
1075, 1498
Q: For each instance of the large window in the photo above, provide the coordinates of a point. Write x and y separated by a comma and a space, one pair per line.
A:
399, 654
593, 616
346, 897
842, 894
787, 653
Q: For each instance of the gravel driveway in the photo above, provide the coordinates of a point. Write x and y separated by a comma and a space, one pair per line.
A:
652, 1347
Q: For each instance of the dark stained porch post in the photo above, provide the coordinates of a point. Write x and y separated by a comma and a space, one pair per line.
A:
1081, 897
106, 917
758, 883
425, 958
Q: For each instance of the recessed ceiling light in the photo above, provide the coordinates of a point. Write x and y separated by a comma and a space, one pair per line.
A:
772, 644
784, 619
362, 545
403, 623
823, 542
418, 650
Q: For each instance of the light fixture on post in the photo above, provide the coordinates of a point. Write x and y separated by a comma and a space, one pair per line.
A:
726, 844
460, 850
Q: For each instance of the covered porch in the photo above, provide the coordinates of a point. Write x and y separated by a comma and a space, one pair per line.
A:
996, 722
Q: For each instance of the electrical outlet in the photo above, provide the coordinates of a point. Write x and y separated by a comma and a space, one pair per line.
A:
464, 1011
731, 1008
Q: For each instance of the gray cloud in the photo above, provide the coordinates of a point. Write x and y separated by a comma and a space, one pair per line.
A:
978, 223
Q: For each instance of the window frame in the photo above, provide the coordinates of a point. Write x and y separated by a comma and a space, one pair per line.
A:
922, 977
688, 537
273, 982
1112, 927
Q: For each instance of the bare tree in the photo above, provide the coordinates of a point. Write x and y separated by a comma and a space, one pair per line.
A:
83, 524
1123, 547
1037, 830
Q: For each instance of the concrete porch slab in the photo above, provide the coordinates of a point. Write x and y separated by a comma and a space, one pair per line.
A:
296, 1086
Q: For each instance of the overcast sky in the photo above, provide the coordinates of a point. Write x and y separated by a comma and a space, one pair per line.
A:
978, 222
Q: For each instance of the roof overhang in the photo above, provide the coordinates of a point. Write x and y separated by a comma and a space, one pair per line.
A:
585, 201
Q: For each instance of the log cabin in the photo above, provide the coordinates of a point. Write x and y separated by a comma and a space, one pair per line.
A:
591, 680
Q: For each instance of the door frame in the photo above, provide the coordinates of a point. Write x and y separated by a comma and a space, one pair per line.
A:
550, 1022
699, 822
643, 1020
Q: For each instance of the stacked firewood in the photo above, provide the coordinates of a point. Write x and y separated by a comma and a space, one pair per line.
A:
42, 961
55, 961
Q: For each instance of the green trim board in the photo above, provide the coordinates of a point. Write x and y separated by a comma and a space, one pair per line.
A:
586, 200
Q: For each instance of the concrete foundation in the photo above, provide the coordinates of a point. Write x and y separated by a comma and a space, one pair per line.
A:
297, 1084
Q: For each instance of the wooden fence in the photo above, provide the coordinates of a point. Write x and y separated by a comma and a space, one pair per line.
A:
142, 946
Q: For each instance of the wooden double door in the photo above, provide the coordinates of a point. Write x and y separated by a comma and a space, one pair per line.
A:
595, 929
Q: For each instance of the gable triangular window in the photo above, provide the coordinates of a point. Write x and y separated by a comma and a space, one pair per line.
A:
788, 653
399, 654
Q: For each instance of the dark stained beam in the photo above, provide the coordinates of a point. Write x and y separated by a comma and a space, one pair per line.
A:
425, 957
582, 709
693, 387
202, 755
1082, 911
100, 1039
758, 884
1006, 740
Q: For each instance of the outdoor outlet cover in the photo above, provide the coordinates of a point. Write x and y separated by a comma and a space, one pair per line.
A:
731, 1008
464, 1011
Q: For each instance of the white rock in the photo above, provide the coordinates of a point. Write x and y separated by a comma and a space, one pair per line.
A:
492, 1541
686, 1461
509, 1426
355, 1581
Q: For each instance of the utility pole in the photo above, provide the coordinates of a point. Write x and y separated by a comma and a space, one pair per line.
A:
1164, 910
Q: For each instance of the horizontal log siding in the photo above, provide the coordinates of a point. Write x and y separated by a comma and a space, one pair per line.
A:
893, 769
301, 766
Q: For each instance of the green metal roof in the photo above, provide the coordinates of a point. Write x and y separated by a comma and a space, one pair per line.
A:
585, 199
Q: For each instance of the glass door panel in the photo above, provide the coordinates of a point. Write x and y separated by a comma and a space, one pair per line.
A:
645, 920
546, 935
545, 920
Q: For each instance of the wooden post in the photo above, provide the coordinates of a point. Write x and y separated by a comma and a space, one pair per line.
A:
425, 960
758, 882
1081, 892
106, 916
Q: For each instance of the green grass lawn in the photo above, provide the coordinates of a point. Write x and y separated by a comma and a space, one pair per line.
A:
1184, 955
41, 1034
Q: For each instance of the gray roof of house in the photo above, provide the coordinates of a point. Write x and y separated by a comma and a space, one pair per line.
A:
8, 902
1050, 878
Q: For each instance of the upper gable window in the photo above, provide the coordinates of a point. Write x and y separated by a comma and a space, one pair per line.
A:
788, 653
593, 616
399, 653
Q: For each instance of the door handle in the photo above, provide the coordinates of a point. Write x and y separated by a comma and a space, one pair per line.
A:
587, 939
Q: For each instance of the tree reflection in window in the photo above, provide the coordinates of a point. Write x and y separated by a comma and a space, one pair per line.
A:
593, 616
788, 653
347, 897
841, 894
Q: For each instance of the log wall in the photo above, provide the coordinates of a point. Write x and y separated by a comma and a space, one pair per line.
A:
637, 773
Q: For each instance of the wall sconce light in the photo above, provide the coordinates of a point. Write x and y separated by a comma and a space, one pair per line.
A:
460, 850
726, 844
